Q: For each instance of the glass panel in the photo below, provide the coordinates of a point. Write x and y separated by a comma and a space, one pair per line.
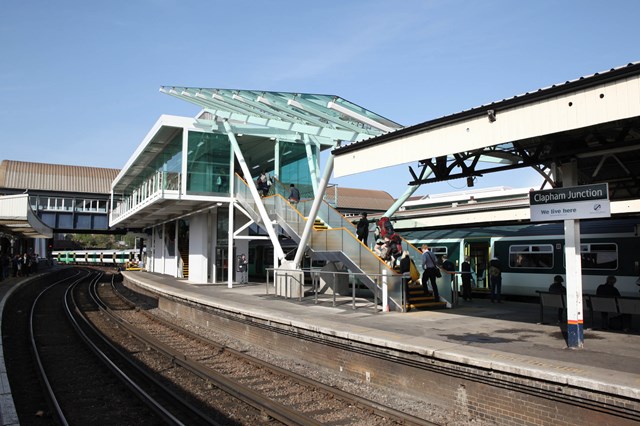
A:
294, 168
222, 228
208, 166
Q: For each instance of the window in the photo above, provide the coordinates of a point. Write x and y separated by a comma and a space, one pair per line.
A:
208, 163
599, 256
531, 256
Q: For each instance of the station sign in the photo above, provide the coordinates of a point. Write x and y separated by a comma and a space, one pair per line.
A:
577, 202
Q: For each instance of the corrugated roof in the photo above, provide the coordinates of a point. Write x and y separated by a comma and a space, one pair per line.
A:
56, 177
363, 199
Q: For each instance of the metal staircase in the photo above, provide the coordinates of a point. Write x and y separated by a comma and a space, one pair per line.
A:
333, 239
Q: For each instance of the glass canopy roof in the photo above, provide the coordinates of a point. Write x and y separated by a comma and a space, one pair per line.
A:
323, 116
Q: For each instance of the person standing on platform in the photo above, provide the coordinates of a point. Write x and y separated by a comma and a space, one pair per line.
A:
243, 269
607, 289
294, 195
495, 277
557, 288
362, 228
430, 273
465, 268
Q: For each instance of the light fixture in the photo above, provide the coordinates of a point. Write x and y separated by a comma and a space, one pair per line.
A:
491, 115
469, 181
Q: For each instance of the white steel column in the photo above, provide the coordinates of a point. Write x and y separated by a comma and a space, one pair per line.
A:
214, 246
230, 256
314, 211
276, 160
185, 161
312, 163
277, 248
575, 316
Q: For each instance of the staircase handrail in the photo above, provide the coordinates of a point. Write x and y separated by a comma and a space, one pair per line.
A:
339, 240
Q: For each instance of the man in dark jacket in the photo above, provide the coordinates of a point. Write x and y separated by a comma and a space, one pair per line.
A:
495, 279
557, 288
362, 228
608, 290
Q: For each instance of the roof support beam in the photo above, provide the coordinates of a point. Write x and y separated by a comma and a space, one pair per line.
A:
268, 225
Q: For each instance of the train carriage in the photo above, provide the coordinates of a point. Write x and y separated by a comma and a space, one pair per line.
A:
532, 254
97, 257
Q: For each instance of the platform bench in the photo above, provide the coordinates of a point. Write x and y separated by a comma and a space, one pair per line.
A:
550, 300
613, 305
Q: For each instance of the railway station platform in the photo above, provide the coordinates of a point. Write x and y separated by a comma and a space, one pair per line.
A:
501, 337
504, 337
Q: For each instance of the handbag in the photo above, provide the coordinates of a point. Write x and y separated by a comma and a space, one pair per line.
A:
437, 272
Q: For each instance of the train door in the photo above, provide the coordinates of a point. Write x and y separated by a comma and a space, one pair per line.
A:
478, 252
222, 263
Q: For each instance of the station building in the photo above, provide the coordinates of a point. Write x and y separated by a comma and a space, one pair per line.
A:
191, 183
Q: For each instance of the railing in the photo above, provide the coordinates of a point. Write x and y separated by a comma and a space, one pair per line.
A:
149, 190
338, 243
393, 282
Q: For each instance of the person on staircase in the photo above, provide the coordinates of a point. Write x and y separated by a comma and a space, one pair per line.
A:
431, 270
362, 228
294, 195
405, 270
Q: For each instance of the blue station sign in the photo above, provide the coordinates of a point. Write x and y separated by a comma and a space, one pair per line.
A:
578, 202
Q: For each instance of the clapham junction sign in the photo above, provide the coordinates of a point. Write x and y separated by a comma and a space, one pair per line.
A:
578, 202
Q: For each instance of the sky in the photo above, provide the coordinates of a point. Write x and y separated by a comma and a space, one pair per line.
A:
79, 80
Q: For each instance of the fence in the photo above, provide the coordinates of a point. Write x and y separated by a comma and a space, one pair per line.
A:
385, 284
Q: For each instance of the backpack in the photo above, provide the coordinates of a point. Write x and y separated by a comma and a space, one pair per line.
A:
386, 228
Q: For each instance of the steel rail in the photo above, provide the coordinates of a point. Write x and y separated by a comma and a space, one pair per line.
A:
272, 408
359, 401
147, 398
36, 353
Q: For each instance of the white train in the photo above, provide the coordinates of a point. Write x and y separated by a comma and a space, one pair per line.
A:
122, 258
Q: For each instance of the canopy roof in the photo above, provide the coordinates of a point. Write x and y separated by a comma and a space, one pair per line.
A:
593, 120
324, 117
17, 218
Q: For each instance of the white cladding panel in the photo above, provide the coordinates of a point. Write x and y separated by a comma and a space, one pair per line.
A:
620, 99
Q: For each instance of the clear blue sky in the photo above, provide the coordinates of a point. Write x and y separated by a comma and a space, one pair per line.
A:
79, 80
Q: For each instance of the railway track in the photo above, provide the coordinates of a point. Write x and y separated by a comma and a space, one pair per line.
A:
99, 359
85, 377
278, 393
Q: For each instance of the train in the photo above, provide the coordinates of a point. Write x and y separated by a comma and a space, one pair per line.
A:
125, 259
532, 254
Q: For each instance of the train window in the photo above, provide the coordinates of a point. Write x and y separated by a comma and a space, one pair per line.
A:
599, 256
531, 256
